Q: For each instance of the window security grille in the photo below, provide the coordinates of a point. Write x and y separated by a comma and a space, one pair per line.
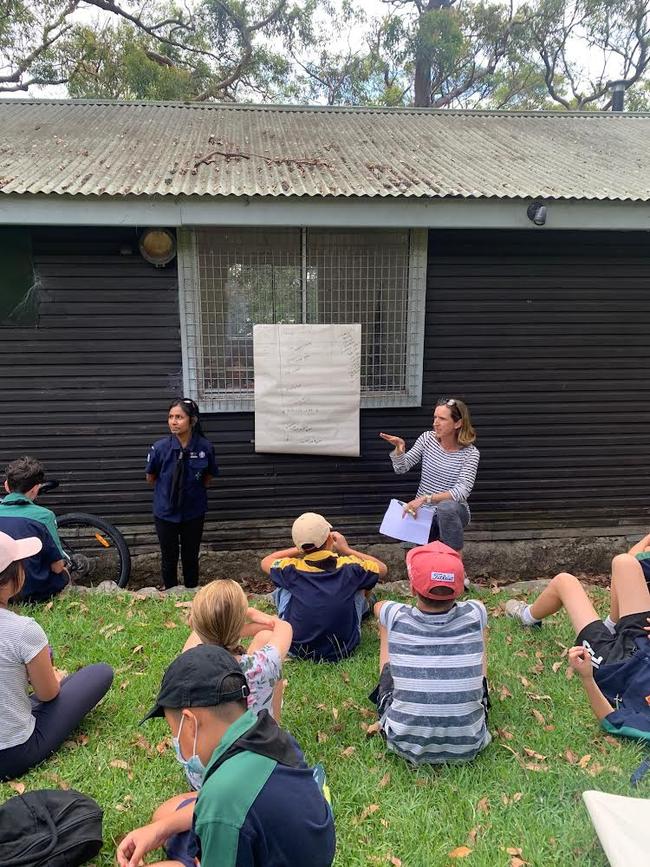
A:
233, 279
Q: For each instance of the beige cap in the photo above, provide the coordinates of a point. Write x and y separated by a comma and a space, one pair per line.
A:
17, 549
310, 531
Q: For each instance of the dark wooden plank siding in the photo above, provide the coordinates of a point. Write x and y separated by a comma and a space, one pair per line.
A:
545, 334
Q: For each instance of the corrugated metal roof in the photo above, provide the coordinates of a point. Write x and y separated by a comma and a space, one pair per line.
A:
174, 149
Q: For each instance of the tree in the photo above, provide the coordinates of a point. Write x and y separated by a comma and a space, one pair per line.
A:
213, 50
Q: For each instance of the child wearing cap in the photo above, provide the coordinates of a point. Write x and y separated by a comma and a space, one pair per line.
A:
322, 585
432, 694
34, 727
259, 804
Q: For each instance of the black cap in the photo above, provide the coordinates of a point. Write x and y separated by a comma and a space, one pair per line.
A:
194, 679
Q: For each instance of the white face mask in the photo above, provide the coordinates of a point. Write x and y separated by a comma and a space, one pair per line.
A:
193, 767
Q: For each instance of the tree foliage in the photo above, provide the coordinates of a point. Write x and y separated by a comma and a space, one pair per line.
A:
552, 54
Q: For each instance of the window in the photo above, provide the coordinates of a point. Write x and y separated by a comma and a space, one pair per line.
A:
18, 287
233, 279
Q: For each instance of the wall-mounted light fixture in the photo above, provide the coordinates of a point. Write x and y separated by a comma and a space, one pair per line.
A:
157, 246
536, 213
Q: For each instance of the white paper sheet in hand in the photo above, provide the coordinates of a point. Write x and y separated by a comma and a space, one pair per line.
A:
622, 826
307, 389
397, 525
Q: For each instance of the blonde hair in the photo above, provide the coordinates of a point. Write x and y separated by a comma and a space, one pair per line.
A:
460, 412
218, 613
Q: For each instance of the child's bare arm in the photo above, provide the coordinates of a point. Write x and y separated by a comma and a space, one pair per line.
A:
270, 559
641, 546
341, 546
580, 660
377, 608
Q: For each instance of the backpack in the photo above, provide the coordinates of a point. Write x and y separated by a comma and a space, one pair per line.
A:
49, 828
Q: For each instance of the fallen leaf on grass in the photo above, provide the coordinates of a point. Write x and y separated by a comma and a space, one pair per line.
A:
335, 713
163, 745
594, 769
124, 684
504, 693
538, 716
516, 861
533, 766
367, 811
182, 605
170, 624
556, 666
512, 850
611, 740
372, 729
321, 737
49, 606
483, 806
384, 823
59, 781
524, 682
473, 834
347, 752
534, 755
119, 763
345, 677
385, 780
17, 787
504, 734
571, 757
584, 761
138, 649
143, 744
460, 852
395, 861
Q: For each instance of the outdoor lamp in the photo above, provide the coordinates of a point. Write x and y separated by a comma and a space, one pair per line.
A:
157, 246
536, 212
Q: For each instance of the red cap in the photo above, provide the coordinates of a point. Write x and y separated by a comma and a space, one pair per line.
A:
435, 565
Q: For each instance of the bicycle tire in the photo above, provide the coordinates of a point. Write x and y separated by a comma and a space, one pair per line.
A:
71, 519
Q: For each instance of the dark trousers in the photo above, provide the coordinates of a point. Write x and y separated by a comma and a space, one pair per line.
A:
186, 537
448, 524
57, 719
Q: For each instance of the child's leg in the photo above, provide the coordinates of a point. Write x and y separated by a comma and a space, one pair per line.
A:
57, 719
629, 593
565, 591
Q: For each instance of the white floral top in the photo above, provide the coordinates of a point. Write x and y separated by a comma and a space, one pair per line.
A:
263, 669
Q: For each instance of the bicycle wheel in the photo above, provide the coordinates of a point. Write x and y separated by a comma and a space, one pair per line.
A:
97, 550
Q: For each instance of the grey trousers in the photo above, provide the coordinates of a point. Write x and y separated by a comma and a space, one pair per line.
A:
448, 524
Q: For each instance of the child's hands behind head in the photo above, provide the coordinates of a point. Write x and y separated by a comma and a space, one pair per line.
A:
580, 661
340, 543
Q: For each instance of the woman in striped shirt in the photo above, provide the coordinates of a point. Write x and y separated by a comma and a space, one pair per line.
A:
449, 463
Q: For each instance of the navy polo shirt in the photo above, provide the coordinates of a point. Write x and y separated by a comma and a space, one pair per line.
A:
161, 462
322, 609
21, 518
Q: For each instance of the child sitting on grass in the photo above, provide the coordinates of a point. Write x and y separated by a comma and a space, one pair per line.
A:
432, 695
612, 657
322, 585
220, 615
259, 805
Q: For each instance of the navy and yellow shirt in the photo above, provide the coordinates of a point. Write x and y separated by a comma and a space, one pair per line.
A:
161, 462
322, 608
21, 518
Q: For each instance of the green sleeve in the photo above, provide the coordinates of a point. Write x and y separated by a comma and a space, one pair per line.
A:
54, 533
219, 843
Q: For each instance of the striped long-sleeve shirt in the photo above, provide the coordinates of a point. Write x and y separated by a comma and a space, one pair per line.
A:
441, 470
436, 660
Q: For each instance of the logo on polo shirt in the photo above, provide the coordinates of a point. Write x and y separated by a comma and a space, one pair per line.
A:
446, 577
201, 454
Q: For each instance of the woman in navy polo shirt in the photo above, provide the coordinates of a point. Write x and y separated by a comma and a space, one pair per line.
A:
180, 467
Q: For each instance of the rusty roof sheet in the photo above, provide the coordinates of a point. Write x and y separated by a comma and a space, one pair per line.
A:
85, 148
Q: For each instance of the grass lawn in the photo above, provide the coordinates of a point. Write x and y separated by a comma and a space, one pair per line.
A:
519, 802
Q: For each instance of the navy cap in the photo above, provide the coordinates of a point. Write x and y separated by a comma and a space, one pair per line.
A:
195, 678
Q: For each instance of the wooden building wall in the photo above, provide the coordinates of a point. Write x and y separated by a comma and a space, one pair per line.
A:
546, 335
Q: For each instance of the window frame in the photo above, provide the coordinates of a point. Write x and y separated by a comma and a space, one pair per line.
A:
244, 400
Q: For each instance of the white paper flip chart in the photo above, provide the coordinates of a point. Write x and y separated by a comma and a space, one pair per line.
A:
307, 389
622, 826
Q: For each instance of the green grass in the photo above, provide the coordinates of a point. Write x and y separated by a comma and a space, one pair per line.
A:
421, 815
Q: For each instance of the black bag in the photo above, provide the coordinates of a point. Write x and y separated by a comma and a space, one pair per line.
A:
49, 828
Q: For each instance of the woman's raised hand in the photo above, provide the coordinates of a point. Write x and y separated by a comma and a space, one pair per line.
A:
397, 442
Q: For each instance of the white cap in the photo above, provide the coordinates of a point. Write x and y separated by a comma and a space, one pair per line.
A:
17, 549
310, 531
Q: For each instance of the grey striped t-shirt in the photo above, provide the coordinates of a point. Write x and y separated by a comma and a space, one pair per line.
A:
441, 470
21, 638
436, 661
